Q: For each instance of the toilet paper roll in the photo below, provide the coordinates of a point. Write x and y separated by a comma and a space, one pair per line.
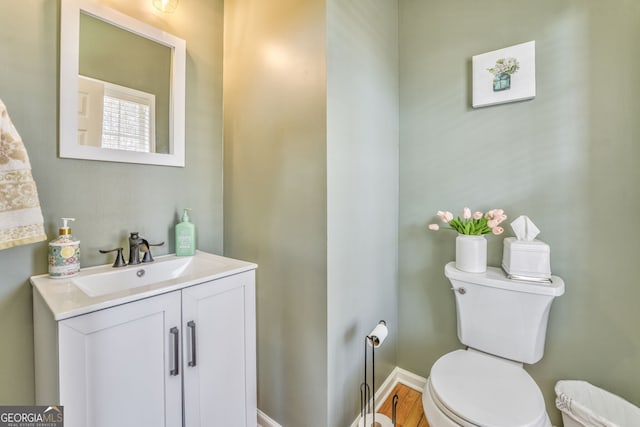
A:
378, 335
381, 421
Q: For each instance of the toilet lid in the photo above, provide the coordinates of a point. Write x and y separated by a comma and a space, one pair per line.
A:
487, 391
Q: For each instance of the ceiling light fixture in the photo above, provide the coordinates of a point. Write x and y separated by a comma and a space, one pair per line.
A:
166, 6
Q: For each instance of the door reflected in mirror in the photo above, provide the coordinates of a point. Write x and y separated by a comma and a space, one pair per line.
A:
121, 88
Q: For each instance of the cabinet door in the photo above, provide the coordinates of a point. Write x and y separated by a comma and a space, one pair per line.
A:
115, 365
219, 367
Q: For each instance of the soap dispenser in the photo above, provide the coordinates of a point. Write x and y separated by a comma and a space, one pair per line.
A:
64, 253
185, 236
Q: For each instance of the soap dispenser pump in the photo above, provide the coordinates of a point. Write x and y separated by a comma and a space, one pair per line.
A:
185, 236
64, 253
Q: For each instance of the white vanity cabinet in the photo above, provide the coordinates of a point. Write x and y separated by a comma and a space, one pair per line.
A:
220, 376
186, 357
115, 365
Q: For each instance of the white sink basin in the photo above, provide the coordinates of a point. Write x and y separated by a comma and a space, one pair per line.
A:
134, 276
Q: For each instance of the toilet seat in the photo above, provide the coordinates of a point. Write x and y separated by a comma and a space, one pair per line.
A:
477, 389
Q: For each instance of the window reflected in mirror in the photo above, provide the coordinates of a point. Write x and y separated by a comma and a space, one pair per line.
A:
115, 117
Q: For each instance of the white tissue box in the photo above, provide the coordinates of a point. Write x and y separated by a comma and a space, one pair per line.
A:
526, 258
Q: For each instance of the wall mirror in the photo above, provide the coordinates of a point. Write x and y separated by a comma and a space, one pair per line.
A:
122, 88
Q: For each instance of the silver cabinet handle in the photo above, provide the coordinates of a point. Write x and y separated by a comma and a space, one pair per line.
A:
176, 351
192, 326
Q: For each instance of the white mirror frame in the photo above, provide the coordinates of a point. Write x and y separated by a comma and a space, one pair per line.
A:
69, 68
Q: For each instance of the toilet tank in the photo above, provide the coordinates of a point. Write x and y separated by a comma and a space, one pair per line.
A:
500, 316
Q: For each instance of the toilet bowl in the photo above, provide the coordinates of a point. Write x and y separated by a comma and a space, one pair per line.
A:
503, 323
469, 388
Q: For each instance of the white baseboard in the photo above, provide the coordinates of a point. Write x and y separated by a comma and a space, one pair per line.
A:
409, 379
265, 421
397, 376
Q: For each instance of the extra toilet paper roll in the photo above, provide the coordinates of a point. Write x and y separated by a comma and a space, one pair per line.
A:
378, 335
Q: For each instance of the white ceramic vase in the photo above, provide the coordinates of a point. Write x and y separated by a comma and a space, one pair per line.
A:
471, 253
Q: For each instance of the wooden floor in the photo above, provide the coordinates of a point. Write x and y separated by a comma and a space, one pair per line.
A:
409, 410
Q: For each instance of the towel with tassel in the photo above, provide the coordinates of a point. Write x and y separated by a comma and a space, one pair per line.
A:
21, 219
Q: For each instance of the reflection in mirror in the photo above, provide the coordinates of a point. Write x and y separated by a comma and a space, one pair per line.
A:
125, 78
116, 117
128, 80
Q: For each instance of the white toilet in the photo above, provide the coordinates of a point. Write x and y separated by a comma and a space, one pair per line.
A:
503, 323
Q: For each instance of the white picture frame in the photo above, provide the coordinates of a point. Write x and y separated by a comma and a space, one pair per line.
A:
504, 75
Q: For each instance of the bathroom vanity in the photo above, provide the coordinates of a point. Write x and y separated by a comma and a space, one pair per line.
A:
169, 343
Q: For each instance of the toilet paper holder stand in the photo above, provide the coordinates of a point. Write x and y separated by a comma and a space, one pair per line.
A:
367, 401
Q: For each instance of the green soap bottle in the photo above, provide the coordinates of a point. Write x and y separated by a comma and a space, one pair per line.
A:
185, 236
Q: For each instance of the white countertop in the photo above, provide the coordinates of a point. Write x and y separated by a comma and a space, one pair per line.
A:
65, 299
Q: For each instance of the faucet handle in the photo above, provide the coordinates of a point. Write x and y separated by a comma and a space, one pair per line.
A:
145, 248
119, 262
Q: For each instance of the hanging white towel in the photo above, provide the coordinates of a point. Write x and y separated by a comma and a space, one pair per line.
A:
21, 219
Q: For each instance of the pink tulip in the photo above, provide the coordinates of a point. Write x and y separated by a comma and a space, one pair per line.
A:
492, 223
466, 213
445, 216
477, 215
497, 230
434, 227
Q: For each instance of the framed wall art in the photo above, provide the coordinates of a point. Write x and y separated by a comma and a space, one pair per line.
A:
504, 75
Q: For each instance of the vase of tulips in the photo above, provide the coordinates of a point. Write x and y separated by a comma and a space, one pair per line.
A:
471, 244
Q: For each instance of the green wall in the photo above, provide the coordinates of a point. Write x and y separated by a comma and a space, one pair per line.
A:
311, 148
275, 193
107, 199
362, 194
567, 159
